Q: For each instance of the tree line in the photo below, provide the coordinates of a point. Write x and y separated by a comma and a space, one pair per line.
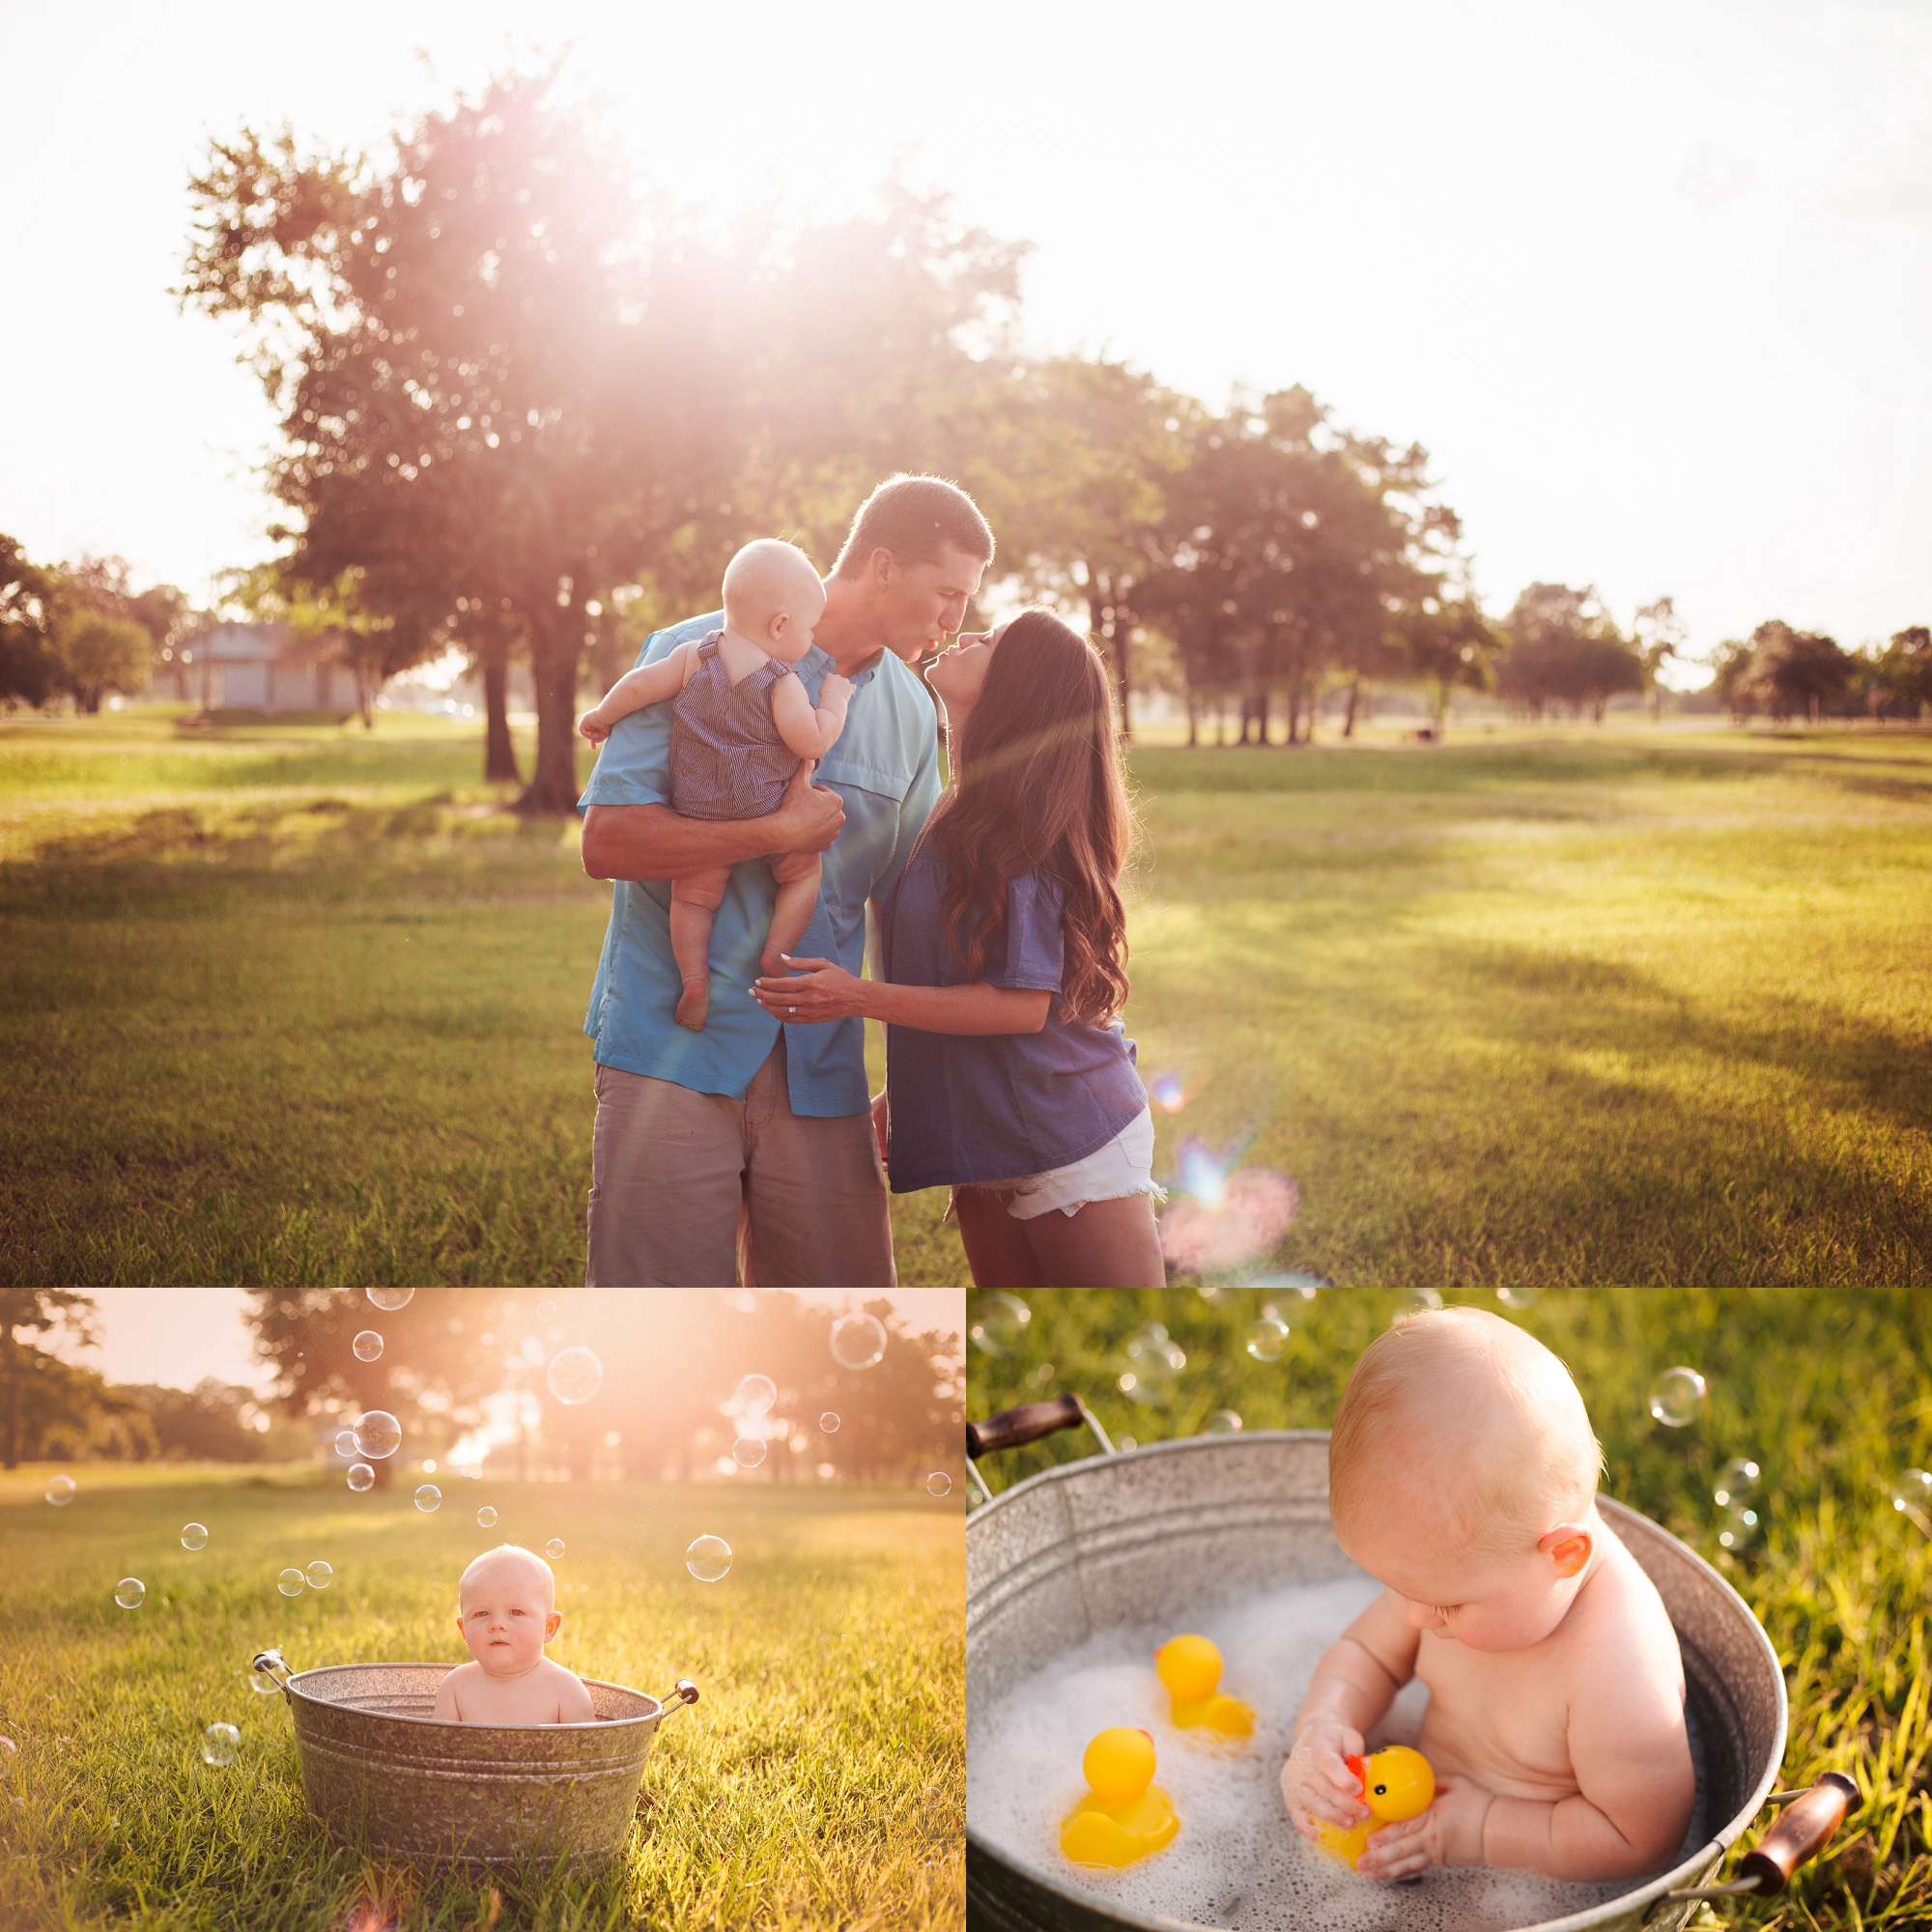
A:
672, 1363
528, 408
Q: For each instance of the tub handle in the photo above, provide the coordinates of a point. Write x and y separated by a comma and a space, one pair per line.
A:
1012, 1427
684, 1692
1810, 1819
269, 1663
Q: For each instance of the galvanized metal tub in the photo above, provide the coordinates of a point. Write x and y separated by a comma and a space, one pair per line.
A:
376, 1768
1132, 1539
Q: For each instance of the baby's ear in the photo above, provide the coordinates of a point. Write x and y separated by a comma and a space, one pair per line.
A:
1568, 1545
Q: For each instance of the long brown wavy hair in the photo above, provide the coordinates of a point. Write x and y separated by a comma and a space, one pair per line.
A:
1037, 785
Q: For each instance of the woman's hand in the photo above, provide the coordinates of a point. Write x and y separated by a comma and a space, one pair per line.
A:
821, 990
1450, 1832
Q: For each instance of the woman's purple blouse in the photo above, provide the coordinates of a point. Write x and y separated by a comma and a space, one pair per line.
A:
978, 1107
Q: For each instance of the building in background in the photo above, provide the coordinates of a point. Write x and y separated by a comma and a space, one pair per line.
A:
268, 668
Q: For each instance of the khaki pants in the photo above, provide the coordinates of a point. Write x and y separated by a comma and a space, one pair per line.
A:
689, 1189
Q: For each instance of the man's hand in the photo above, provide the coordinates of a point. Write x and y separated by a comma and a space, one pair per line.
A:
1450, 1832
809, 816
1316, 1784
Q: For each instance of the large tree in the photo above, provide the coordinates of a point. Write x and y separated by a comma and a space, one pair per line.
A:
1797, 673
27, 666
26, 1368
1565, 653
495, 383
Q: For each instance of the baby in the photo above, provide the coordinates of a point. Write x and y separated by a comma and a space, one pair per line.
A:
1463, 1476
741, 723
506, 1612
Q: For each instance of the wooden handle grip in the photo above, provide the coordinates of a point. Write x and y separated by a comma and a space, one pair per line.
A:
1026, 1424
1801, 1833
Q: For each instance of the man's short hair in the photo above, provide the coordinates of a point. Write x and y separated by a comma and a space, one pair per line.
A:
914, 518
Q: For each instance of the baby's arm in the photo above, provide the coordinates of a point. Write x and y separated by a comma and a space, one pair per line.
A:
1354, 1683
444, 1708
807, 732
573, 1700
648, 684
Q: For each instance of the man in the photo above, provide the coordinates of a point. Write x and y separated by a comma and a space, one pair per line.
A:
749, 1147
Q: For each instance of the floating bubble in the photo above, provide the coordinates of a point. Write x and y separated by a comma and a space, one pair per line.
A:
345, 1443
1224, 1422
1676, 1397
1267, 1338
1518, 1297
131, 1593
575, 1376
1168, 1094
378, 1435
749, 1451
367, 1345
486, 1517
708, 1558
1737, 1527
1422, 1302
754, 1395
261, 1683
858, 1341
389, 1300
1212, 1294
1225, 1220
194, 1536
1911, 1495
1040, 1374
60, 1491
546, 1312
996, 1324
1736, 1482
221, 1743
939, 1483
829, 1422
429, 1498
291, 1583
361, 1477
1153, 1363
553, 1549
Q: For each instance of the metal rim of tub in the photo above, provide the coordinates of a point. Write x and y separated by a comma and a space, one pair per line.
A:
1664, 1899
376, 1768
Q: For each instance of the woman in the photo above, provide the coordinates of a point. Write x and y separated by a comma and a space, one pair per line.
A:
1008, 1078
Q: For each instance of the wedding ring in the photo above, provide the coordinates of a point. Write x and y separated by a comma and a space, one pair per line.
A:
793, 1012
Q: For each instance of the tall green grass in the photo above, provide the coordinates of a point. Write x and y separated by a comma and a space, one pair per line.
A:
1830, 1394
815, 1784
292, 1003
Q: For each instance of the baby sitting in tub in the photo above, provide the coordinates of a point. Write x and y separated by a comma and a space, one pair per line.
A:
1463, 1476
506, 1604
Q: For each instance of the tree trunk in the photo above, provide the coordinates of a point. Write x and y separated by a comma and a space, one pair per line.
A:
13, 1401
1354, 694
1193, 726
500, 752
556, 650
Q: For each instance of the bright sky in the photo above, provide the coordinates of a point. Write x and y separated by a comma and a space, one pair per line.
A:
174, 1336
1650, 282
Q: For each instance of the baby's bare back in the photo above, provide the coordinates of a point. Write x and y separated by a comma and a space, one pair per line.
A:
1539, 1723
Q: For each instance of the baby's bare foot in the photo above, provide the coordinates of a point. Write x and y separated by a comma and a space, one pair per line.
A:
695, 1008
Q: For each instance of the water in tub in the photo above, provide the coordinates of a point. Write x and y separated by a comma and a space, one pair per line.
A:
1237, 1861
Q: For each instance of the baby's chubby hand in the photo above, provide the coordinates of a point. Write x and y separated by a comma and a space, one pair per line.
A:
1316, 1784
834, 690
1450, 1832
593, 727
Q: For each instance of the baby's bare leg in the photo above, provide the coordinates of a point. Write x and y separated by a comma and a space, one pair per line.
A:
797, 875
692, 902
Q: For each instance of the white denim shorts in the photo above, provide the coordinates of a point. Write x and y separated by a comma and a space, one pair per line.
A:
1123, 1166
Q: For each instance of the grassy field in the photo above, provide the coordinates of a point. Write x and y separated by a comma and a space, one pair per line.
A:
1551, 1006
816, 1784
1830, 1393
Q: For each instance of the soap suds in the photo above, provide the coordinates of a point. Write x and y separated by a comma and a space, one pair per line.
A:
1238, 1862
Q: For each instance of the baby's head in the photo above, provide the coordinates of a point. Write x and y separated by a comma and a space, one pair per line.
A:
774, 598
1463, 1473
506, 1609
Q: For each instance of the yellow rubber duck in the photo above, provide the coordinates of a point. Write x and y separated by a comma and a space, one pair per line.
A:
1121, 1819
1190, 1667
1397, 1783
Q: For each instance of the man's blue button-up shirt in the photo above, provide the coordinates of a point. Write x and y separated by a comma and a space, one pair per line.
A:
885, 769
